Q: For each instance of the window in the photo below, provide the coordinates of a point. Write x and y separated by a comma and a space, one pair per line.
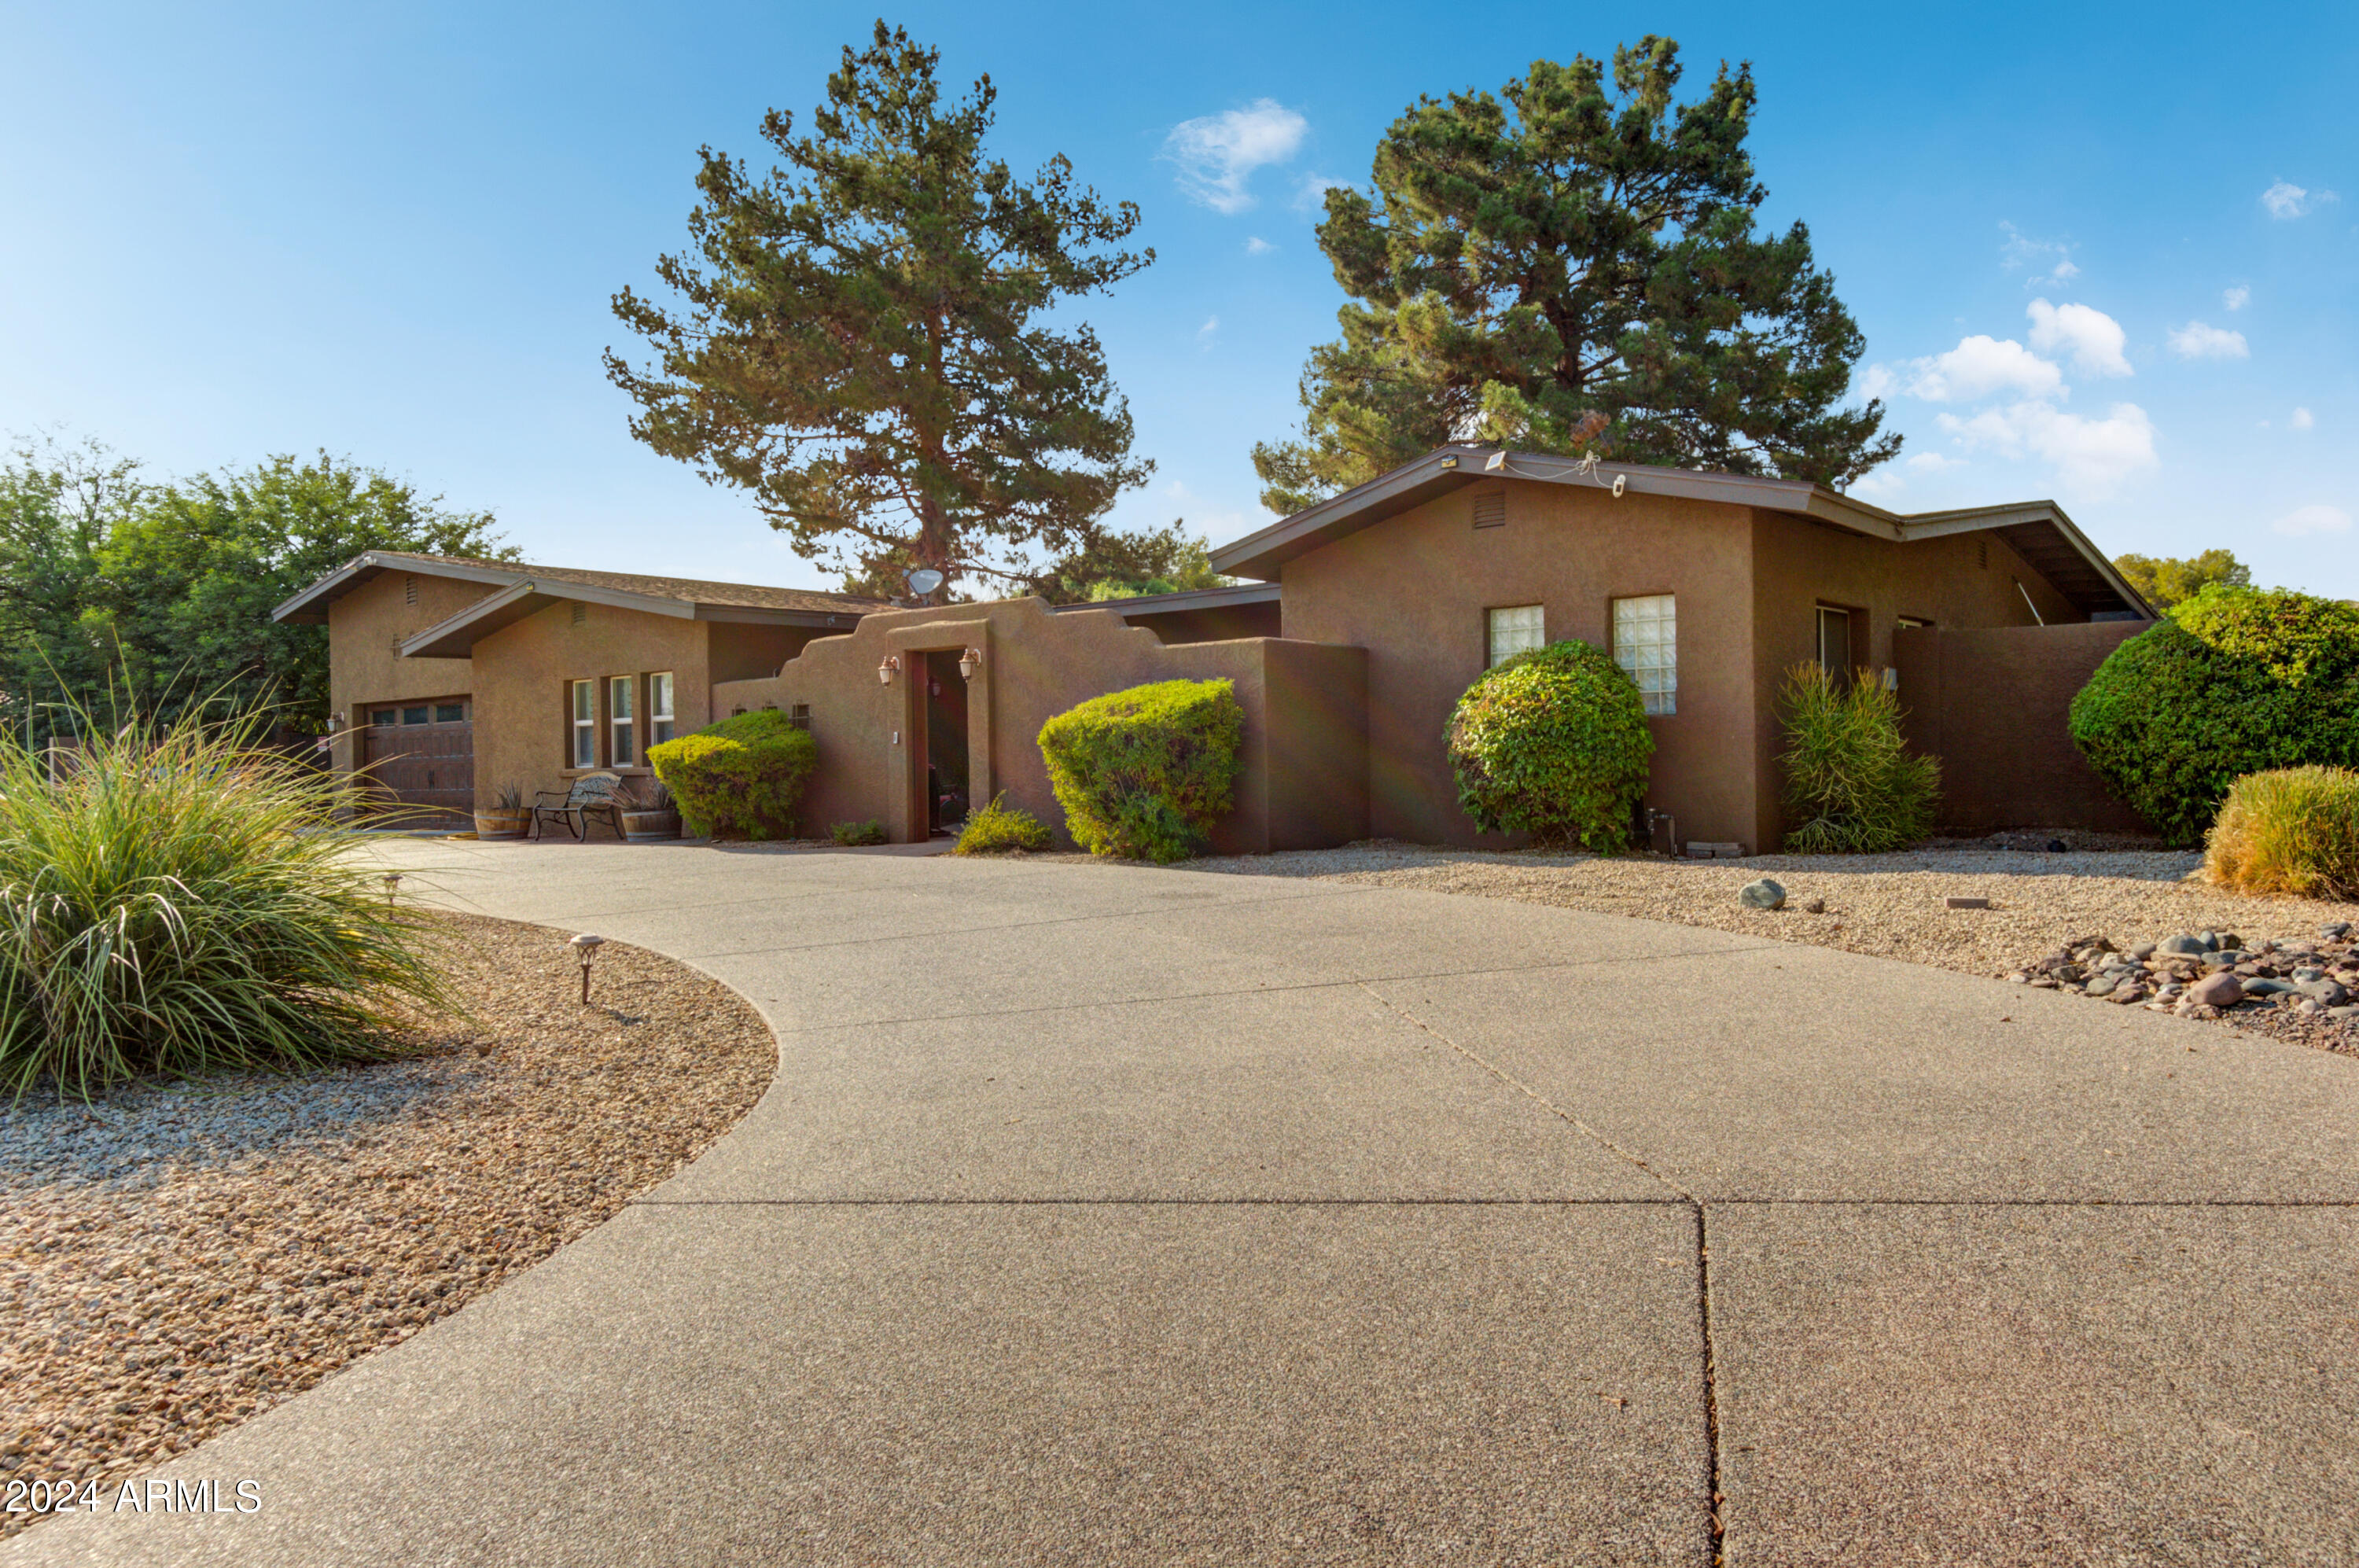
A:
800, 716
450, 713
413, 715
1835, 642
586, 723
1646, 643
1517, 630
620, 754
659, 711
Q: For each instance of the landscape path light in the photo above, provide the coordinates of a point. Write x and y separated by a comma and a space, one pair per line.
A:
587, 946
392, 884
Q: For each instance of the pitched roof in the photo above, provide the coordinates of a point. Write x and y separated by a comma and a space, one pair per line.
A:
2038, 530
518, 589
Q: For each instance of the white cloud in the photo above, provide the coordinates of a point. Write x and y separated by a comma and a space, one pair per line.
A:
1205, 333
2287, 199
2090, 456
2196, 341
1217, 154
2021, 251
1882, 484
1934, 463
2237, 298
2303, 520
1256, 246
1311, 193
2093, 338
1978, 367
1877, 381
2301, 419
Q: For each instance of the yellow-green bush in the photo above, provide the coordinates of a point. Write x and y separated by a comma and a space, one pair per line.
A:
2292, 830
1852, 786
998, 828
1145, 773
1553, 743
742, 778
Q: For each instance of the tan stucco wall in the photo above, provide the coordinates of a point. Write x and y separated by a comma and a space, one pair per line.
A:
1798, 565
1994, 706
1413, 590
366, 628
1300, 770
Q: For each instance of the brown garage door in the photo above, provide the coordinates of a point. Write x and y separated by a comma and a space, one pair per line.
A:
422, 754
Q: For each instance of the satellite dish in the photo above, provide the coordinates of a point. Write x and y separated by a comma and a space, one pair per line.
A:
924, 581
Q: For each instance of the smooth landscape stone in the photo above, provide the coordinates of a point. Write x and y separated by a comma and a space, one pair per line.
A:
2182, 943
2218, 990
1762, 894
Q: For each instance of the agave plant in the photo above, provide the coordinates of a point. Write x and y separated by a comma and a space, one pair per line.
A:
184, 901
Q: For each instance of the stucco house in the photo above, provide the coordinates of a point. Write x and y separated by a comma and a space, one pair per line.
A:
1359, 623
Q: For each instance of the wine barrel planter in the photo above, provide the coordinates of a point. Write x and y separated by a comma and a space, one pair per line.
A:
502, 824
647, 827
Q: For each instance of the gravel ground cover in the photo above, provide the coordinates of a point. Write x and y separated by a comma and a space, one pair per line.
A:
1891, 906
181, 1255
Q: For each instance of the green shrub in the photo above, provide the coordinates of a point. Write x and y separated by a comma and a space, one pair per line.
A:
183, 902
2293, 830
853, 835
1553, 743
998, 828
742, 778
1145, 773
2231, 683
1852, 786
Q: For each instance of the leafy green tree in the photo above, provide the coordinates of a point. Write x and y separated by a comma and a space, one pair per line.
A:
2166, 581
1128, 565
1576, 268
58, 505
862, 350
191, 575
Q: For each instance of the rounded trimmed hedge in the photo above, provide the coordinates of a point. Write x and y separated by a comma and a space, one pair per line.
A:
742, 778
1145, 773
1553, 743
2234, 680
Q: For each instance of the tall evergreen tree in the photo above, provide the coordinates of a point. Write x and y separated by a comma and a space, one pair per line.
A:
860, 351
1576, 269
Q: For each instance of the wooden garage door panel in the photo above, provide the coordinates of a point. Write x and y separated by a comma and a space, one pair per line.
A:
427, 767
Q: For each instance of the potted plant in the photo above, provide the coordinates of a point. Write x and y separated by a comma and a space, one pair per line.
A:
648, 814
505, 817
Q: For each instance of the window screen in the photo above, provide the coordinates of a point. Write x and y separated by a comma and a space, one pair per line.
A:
586, 723
1646, 643
622, 753
659, 713
1518, 628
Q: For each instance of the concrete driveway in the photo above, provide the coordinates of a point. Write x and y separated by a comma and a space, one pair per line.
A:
1105, 1214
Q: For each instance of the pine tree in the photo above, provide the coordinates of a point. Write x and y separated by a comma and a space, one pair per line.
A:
860, 351
1576, 269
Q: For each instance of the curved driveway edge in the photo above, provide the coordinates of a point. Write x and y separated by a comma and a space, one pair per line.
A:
1105, 1214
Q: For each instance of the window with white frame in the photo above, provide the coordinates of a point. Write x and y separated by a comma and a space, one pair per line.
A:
1513, 629
620, 753
586, 723
659, 713
1646, 643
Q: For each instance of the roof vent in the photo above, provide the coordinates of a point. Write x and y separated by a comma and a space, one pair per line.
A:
1491, 509
581, 613
409, 590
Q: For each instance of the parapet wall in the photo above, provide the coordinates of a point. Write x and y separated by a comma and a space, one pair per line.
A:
1303, 774
1994, 704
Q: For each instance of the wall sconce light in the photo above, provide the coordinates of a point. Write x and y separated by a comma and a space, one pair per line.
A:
886, 670
969, 662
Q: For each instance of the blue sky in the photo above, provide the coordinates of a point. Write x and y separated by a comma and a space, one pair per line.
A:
2107, 261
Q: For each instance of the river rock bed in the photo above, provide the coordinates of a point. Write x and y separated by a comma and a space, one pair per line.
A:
181, 1255
2306, 990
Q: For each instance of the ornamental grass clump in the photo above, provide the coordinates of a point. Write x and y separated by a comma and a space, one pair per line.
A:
742, 778
1553, 743
999, 828
2291, 830
1852, 787
1145, 773
183, 902
2233, 681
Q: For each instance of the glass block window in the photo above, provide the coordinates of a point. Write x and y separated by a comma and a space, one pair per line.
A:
1646, 643
1517, 628
659, 713
586, 723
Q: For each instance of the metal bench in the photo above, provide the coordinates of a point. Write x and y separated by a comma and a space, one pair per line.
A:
592, 795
